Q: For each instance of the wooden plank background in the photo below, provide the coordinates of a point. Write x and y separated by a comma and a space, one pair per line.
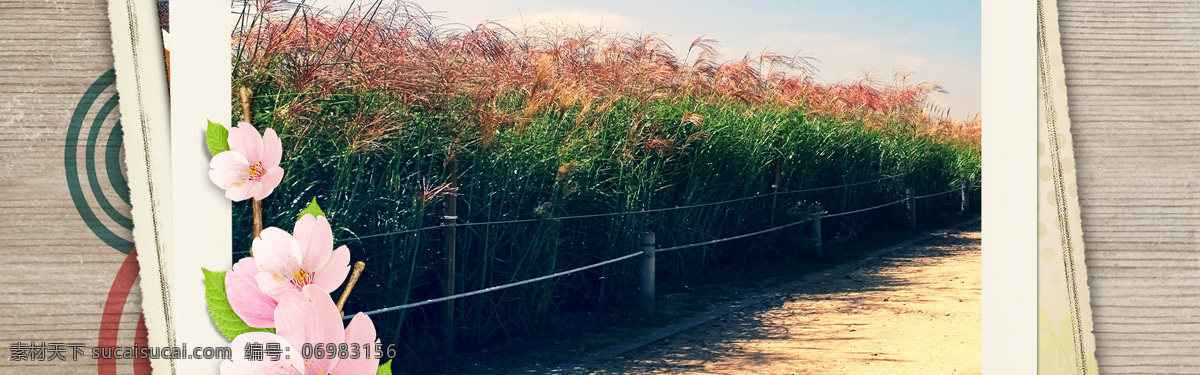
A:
1133, 78
56, 274
1133, 72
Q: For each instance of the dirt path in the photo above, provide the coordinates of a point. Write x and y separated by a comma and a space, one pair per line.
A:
913, 311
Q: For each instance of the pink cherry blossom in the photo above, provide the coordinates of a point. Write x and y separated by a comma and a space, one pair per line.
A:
250, 169
245, 297
308, 317
290, 262
238, 363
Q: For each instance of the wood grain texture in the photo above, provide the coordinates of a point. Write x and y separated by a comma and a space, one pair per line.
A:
56, 274
1133, 78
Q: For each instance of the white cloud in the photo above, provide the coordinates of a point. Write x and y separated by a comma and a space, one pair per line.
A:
950, 31
583, 17
845, 58
910, 61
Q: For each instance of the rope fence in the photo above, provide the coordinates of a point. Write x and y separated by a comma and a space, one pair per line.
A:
649, 252
495, 288
588, 216
439, 226
646, 211
737, 237
937, 194
864, 209
844, 185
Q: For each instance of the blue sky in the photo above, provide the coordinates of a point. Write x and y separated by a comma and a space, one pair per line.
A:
937, 40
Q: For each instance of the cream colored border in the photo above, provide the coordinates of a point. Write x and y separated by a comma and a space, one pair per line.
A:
138, 57
1009, 185
1009, 213
200, 91
174, 156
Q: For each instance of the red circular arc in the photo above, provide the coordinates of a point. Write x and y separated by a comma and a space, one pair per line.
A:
110, 321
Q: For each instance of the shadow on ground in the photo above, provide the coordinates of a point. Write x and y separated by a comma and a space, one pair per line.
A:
915, 310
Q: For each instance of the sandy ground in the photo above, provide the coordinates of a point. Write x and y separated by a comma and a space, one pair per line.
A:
913, 311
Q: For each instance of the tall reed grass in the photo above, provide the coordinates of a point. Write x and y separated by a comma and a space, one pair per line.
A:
548, 121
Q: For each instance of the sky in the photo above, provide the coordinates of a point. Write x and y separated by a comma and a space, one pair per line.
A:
938, 40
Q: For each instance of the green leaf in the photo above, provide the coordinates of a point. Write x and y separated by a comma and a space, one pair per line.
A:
385, 369
1045, 324
217, 138
313, 209
228, 322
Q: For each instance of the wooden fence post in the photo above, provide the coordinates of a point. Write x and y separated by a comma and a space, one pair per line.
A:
963, 199
450, 220
775, 189
912, 207
646, 292
816, 236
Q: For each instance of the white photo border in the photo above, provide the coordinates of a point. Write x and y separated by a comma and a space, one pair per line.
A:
201, 214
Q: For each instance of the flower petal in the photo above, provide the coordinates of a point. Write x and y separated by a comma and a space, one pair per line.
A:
278, 255
272, 286
272, 149
360, 331
223, 179
238, 364
310, 317
334, 273
247, 300
227, 168
241, 191
228, 172
269, 181
316, 240
244, 139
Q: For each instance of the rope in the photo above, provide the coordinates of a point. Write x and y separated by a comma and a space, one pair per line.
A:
705, 243
570, 218
842, 186
863, 210
588, 216
937, 194
495, 288
630, 212
395, 233
664, 209
610, 261
518, 221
